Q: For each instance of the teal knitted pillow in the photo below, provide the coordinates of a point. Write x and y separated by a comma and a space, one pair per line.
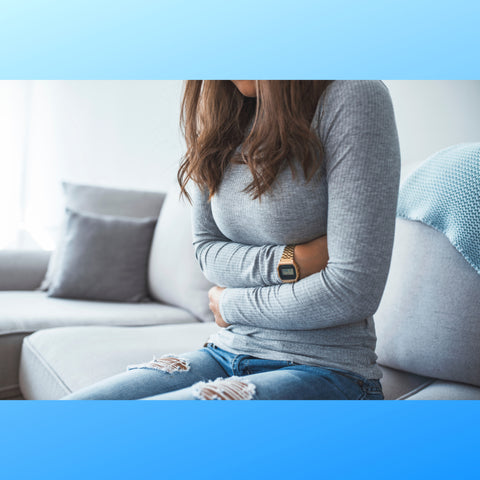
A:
444, 192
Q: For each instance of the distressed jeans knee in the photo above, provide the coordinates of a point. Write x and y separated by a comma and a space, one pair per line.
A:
230, 388
168, 363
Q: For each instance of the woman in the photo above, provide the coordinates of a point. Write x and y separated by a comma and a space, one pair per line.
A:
279, 169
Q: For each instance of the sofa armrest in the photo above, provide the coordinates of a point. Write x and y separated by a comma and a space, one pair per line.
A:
22, 269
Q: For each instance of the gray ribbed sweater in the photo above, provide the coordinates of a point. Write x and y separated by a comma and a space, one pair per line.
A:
325, 319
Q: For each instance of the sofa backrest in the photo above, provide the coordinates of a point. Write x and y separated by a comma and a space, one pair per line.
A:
22, 269
174, 275
428, 321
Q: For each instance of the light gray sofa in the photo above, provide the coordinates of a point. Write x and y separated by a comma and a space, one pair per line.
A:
427, 323
24, 310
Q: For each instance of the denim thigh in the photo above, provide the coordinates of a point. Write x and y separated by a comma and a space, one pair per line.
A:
320, 383
153, 378
291, 382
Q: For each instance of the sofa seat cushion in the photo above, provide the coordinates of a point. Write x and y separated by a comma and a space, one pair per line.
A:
57, 361
31, 311
22, 313
441, 390
399, 385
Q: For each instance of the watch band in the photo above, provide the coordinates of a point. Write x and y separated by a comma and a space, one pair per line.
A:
288, 252
287, 261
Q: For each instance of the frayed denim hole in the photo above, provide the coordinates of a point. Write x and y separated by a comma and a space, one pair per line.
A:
230, 388
169, 363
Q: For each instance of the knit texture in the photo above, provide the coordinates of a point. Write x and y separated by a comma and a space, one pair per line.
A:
325, 319
444, 193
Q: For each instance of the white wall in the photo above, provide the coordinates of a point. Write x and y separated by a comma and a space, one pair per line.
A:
13, 133
114, 133
433, 114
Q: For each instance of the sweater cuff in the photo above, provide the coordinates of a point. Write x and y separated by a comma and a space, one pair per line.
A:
220, 304
232, 306
272, 274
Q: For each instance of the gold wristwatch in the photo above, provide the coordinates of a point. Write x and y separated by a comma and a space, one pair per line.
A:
288, 270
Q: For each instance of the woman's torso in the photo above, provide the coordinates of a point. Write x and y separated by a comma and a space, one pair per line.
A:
294, 211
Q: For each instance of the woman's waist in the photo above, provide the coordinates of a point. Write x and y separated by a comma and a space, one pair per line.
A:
358, 335
358, 356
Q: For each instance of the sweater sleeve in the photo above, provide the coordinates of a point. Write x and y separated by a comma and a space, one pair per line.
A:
226, 263
362, 164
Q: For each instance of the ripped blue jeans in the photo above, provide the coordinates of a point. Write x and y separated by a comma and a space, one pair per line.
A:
212, 373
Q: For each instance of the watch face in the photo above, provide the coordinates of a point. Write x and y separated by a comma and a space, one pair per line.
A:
287, 272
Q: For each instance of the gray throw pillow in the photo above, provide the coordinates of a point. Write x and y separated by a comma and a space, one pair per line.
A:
104, 258
105, 201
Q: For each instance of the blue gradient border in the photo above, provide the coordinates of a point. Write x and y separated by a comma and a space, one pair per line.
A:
216, 39
230, 440
213, 39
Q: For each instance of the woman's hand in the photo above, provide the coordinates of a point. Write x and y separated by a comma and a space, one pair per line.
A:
311, 257
214, 297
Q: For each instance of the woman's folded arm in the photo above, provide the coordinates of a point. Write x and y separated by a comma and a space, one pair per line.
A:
362, 162
227, 263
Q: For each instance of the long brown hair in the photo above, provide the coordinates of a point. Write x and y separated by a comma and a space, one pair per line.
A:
215, 115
